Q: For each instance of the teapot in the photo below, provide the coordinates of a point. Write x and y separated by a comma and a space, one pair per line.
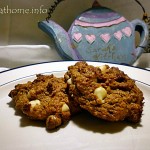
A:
99, 34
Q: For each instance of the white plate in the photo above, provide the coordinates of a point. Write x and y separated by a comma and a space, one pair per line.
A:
83, 131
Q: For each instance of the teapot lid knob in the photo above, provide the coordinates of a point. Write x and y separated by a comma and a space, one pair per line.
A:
96, 4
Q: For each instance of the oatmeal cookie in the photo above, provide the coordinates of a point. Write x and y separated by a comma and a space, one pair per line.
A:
44, 99
106, 92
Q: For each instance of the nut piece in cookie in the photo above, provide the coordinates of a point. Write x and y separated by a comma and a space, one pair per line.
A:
44, 99
106, 92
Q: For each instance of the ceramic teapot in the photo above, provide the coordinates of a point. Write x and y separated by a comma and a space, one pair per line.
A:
99, 34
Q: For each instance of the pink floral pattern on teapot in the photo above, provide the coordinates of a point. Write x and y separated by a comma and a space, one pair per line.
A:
106, 37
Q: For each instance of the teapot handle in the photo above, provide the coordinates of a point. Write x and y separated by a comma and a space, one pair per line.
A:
141, 27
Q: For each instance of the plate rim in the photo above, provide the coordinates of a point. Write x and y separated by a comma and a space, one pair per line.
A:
68, 61
22, 66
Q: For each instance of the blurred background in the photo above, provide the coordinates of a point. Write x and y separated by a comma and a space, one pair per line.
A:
20, 35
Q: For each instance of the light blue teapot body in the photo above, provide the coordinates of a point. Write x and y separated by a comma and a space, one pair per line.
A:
99, 34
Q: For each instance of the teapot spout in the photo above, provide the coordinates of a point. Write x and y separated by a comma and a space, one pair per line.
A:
61, 39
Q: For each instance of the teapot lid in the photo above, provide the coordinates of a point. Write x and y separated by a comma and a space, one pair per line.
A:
99, 15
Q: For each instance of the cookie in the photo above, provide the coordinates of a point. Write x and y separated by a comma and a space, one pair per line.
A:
106, 92
44, 99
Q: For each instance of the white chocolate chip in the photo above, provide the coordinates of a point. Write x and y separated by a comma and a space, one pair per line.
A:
66, 76
34, 103
69, 81
52, 117
103, 68
65, 107
101, 93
